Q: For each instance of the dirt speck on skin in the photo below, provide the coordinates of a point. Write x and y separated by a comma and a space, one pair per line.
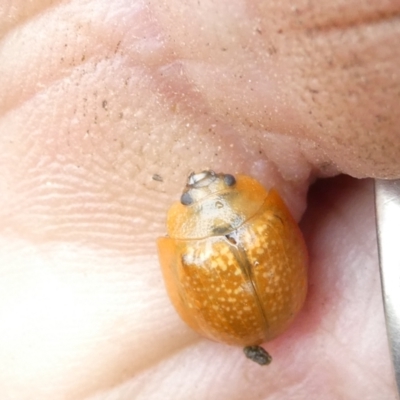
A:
157, 178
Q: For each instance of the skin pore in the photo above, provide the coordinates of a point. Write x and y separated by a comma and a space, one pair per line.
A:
105, 109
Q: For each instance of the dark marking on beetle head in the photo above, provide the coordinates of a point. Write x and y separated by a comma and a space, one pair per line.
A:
231, 239
186, 199
229, 180
206, 183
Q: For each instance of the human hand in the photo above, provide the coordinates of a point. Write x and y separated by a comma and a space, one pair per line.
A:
97, 98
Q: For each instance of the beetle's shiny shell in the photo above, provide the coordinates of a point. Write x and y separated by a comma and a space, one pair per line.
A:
234, 261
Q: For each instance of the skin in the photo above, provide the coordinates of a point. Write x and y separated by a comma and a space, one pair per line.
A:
96, 98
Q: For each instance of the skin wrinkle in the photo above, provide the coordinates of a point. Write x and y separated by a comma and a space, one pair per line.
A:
12, 16
344, 21
351, 356
372, 153
164, 88
64, 59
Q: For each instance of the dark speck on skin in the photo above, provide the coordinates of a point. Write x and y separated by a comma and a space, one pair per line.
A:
257, 354
157, 178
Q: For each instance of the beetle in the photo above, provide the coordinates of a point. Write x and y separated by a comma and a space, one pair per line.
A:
234, 261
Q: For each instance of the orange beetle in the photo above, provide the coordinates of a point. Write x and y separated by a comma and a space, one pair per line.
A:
234, 261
